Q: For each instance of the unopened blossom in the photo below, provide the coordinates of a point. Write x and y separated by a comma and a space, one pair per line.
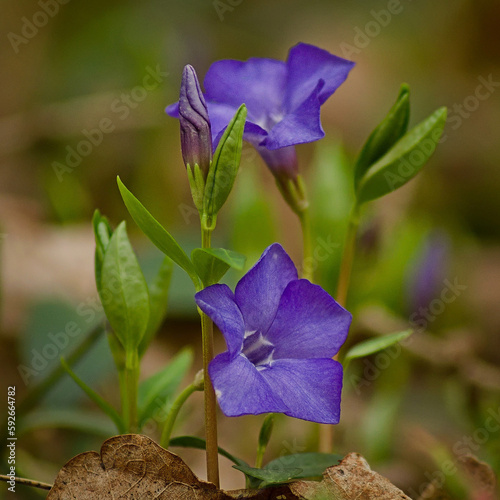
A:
196, 138
281, 334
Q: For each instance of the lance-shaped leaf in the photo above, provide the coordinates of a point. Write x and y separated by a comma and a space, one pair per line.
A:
212, 263
156, 232
158, 302
404, 160
288, 467
124, 293
385, 135
225, 164
373, 345
102, 233
268, 477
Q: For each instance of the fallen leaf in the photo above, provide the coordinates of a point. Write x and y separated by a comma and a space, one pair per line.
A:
132, 467
481, 476
352, 479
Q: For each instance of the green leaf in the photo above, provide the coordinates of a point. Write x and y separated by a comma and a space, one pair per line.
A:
156, 232
371, 346
385, 135
102, 233
296, 466
225, 164
124, 293
312, 465
158, 302
212, 263
404, 160
201, 444
98, 400
157, 390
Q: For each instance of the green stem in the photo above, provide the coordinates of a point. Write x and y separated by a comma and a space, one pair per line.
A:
131, 377
348, 257
122, 382
98, 400
174, 412
307, 257
207, 328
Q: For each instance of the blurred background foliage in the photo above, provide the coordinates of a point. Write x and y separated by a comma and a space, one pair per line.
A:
86, 67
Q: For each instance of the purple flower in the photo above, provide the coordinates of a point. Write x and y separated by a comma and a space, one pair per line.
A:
426, 275
196, 140
283, 100
281, 333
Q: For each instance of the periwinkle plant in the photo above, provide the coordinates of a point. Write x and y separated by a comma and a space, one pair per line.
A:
281, 330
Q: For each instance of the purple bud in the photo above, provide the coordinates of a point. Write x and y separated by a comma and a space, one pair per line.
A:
196, 138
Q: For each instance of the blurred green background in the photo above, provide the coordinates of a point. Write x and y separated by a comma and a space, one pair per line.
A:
68, 69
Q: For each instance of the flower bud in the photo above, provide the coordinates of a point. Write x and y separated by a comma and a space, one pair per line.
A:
266, 431
196, 138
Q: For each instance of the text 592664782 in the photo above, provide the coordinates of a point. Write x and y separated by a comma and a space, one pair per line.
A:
11, 439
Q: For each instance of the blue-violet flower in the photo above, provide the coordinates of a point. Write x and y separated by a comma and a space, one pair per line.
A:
283, 100
281, 334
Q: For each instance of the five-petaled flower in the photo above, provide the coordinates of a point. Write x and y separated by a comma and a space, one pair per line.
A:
283, 100
281, 334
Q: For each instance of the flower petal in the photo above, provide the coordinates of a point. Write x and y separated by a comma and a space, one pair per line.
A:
241, 389
258, 82
217, 302
173, 110
258, 293
311, 388
300, 126
307, 65
308, 323
221, 114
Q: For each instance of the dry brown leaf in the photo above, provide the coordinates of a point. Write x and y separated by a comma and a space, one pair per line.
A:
352, 479
132, 467
480, 475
